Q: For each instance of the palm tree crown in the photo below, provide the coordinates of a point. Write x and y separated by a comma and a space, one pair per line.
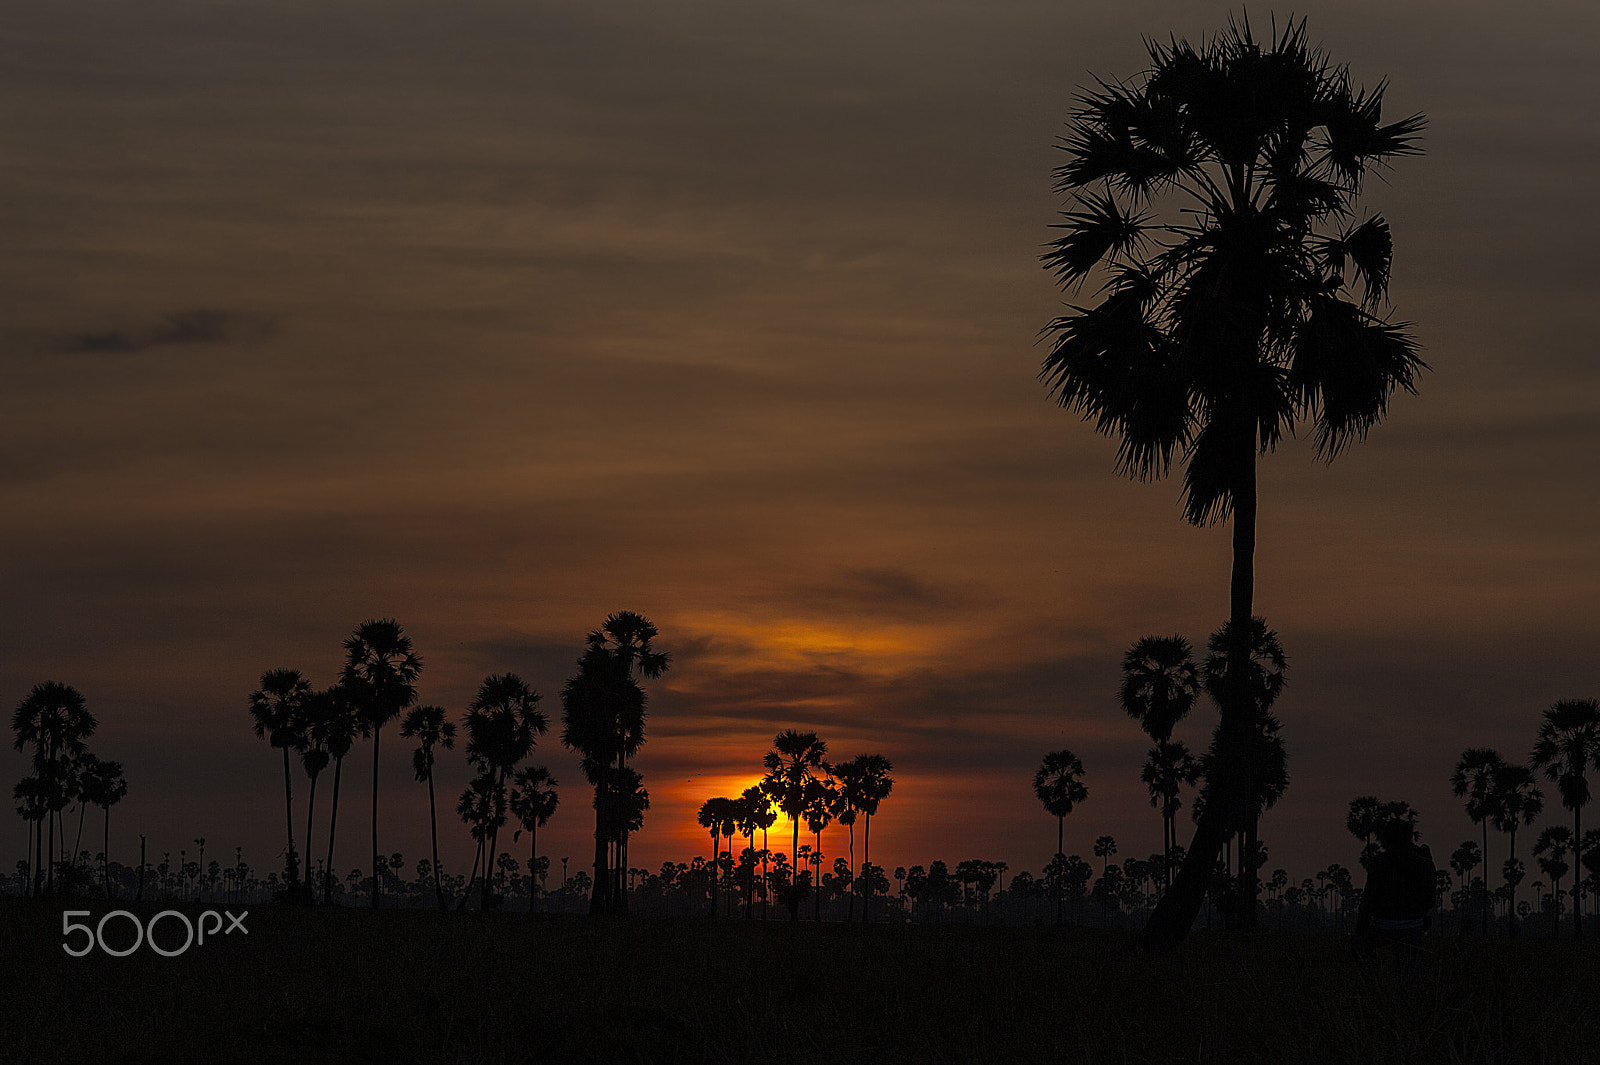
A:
1223, 325
1159, 684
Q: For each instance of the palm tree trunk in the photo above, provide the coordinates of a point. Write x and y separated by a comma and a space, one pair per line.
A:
494, 848
433, 827
1577, 867
1175, 914
533, 860
866, 864
377, 881
105, 853
600, 892
311, 808
333, 824
1061, 827
715, 843
77, 843
291, 862
1485, 907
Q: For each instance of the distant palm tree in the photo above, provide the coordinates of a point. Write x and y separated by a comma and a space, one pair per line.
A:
104, 786
1552, 847
317, 714
1518, 801
1059, 786
865, 787
430, 728
1159, 684
33, 805
380, 678
276, 708
483, 811
1168, 768
1475, 780
795, 761
822, 803
1567, 748
55, 719
502, 725
1104, 848
628, 638
758, 813
533, 803
1211, 195
341, 727
719, 816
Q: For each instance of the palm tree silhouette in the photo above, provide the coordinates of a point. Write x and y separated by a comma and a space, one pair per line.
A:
628, 637
760, 813
33, 805
533, 802
502, 723
822, 801
1567, 748
865, 783
1551, 848
1475, 779
103, 786
317, 713
277, 710
1211, 194
719, 817
1240, 788
603, 712
1517, 801
430, 728
1104, 848
340, 727
380, 678
795, 761
1059, 786
55, 719
1159, 684
1167, 769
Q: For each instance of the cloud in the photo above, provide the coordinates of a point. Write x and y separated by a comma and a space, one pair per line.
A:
203, 325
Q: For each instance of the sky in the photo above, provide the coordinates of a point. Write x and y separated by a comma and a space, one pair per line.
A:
497, 317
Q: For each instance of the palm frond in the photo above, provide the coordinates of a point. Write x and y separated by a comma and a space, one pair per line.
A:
1098, 229
1346, 365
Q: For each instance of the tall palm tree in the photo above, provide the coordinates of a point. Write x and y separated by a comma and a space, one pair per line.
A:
1552, 847
380, 678
796, 760
1168, 768
602, 716
1059, 786
533, 801
502, 722
822, 804
720, 817
54, 718
1215, 196
276, 709
33, 806
340, 728
1475, 778
872, 785
317, 716
431, 729
629, 637
104, 786
1517, 802
1567, 748
758, 812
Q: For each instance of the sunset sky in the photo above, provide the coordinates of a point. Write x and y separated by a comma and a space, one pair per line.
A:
497, 316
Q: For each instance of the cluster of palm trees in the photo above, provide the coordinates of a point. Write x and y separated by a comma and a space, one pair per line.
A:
804, 786
1506, 795
54, 720
378, 683
1161, 682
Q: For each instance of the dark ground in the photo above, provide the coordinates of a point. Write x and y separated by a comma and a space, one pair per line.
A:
395, 987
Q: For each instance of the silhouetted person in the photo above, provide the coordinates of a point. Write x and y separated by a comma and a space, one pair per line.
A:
1399, 892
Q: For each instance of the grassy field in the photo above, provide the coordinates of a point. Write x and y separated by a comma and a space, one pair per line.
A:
397, 987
